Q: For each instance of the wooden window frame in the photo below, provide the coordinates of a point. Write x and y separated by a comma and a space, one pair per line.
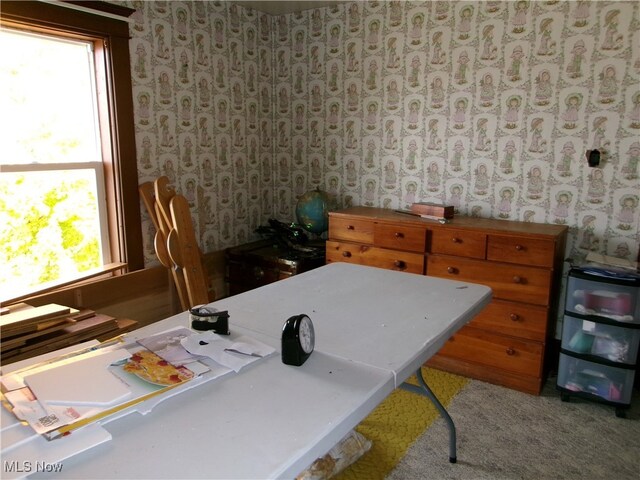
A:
111, 38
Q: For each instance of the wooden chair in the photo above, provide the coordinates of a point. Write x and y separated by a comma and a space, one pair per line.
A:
175, 241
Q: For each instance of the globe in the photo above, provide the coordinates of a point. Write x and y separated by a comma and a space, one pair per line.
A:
312, 211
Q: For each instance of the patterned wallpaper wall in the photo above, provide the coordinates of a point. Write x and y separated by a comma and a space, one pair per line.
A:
489, 106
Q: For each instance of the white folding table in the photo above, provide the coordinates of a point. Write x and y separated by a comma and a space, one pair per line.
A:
374, 328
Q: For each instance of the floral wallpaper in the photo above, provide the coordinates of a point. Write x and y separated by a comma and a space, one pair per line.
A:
489, 106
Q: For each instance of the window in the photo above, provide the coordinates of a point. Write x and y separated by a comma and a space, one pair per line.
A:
69, 205
53, 216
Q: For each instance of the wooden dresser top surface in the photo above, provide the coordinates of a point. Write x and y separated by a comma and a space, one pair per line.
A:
460, 221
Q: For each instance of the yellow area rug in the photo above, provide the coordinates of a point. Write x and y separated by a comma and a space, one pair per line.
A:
397, 422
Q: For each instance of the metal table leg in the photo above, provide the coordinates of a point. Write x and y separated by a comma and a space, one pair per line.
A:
423, 389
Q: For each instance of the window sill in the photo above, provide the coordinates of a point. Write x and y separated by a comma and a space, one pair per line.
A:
108, 269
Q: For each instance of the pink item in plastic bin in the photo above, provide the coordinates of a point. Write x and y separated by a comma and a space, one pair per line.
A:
614, 393
614, 303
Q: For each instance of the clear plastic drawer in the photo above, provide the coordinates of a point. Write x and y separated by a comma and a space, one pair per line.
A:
613, 343
609, 383
603, 297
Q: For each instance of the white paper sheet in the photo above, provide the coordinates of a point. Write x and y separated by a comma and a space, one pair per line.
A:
216, 347
86, 382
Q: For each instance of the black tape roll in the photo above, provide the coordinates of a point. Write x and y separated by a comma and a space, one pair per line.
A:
204, 318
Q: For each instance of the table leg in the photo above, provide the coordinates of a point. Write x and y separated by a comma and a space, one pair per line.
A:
423, 389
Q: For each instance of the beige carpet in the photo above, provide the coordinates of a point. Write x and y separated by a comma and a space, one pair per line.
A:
504, 435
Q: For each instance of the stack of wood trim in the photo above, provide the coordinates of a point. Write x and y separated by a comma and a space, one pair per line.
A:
27, 331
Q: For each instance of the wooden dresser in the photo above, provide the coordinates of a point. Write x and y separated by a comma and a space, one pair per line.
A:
521, 262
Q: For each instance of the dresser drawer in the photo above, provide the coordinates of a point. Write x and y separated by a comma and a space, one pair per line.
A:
496, 351
515, 319
509, 282
351, 230
346, 252
399, 237
463, 243
524, 251
375, 257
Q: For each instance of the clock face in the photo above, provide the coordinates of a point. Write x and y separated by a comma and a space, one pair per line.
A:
306, 335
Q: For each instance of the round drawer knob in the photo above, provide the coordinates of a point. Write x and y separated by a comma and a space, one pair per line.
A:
456, 240
400, 264
515, 317
452, 270
399, 235
350, 227
519, 247
258, 273
346, 254
510, 351
517, 279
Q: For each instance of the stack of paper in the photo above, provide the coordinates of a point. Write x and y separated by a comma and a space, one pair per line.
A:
231, 354
65, 393
68, 393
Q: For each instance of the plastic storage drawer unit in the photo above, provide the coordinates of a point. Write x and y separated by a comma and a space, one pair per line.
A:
602, 340
605, 382
603, 297
600, 337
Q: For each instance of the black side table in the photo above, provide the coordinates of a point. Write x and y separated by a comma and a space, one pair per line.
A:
265, 261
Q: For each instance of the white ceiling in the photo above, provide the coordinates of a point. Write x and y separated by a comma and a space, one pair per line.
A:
286, 6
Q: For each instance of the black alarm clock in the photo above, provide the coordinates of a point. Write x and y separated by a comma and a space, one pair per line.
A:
298, 340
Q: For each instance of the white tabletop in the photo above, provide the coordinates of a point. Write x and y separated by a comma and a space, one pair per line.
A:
392, 320
373, 328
